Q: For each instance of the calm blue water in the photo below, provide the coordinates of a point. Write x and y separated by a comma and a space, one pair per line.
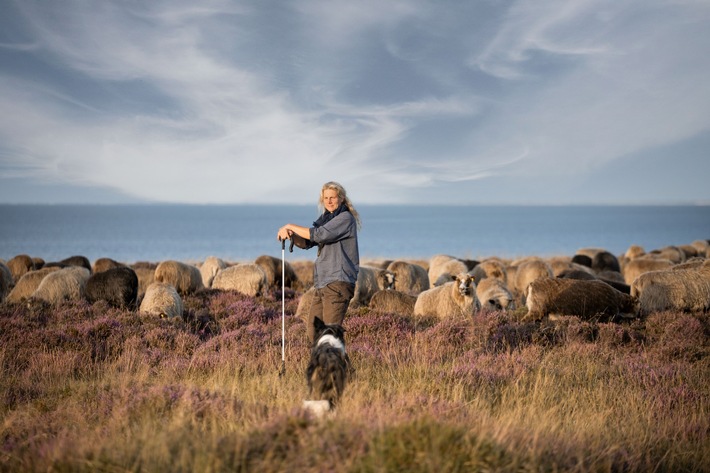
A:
132, 233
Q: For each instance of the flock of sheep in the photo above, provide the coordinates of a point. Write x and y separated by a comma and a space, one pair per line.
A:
592, 284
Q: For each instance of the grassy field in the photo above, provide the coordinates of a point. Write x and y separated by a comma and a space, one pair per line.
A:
92, 388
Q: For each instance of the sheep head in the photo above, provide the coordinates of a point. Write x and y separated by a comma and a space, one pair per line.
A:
386, 279
465, 285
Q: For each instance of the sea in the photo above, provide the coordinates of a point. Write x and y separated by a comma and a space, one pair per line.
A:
241, 233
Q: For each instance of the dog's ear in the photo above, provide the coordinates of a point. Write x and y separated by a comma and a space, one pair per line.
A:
318, 324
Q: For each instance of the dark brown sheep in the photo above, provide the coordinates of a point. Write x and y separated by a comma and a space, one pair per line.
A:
117, 286
81, 261
605, 261
589, 300
613, 282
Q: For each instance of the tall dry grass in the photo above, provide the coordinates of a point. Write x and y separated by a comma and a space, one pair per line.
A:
90, 388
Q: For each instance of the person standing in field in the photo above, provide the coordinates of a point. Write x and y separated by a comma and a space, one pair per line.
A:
338, 261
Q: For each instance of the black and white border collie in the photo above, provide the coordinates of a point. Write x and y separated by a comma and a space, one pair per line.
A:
328, 368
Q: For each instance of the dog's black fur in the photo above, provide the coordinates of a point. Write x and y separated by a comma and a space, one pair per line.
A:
329, 367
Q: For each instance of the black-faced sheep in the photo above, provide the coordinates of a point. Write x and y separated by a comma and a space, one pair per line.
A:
589, 300
185, 278
161, 300
369, 281
409, 278
102, 264
490, 268
118, 286
248, 279
673, 289
455, 298
19, 265
494, 295
393, 302
444, 268
638, 266
61, 285
28, 284
272, 268
209, 269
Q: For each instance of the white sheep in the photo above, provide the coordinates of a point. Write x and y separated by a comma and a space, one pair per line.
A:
529, 271
369, 281
393, 301
28, 284
494, 295
249, 279
633, 252
638, 266
455, 298
685, 289
162, 300
444, 268
185, 278
209, 269
490, 268
409, 278
64, 284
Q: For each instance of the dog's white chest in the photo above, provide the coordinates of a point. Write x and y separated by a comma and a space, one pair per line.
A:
332, 341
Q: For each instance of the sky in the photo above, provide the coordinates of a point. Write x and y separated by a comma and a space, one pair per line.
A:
484, 102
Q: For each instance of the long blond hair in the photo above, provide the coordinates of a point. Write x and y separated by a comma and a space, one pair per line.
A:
332, 185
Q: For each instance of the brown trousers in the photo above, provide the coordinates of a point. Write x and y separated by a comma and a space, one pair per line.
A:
330, 303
